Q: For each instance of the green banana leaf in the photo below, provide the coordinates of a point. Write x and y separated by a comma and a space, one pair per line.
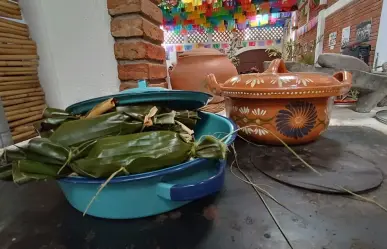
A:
52, 119
76, 132
188, 118
23, 153
44, 147
43, 150
143, 152
24, 171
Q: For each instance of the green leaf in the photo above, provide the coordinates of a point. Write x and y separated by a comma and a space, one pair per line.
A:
143, 152
75, 132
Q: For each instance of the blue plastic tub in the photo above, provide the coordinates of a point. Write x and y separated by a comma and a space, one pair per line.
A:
154, 192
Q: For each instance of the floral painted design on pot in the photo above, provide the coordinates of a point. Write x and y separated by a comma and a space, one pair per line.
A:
294, 107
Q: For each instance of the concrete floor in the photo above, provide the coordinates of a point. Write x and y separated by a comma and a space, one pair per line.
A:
345, 116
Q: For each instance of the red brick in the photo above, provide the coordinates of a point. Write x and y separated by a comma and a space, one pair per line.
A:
138, 50
136, 26
145, 70
145, 7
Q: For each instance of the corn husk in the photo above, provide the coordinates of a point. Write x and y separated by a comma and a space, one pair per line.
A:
102, 108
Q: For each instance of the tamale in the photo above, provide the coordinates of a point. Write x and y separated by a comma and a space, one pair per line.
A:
143, 152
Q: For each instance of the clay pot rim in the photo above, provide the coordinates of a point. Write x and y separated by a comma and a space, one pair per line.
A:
278, 82
283, 93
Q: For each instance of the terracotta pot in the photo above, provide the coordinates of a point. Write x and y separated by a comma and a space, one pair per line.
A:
295, 107
193, 66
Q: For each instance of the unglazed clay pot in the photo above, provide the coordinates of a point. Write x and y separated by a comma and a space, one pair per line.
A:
193, 66
295, 107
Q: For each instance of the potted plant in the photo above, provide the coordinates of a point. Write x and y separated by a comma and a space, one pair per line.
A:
348, 99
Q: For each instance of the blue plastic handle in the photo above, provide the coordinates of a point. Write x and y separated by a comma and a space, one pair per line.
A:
142, 88
193, 191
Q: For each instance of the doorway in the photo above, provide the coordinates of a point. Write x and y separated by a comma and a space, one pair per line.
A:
252, 58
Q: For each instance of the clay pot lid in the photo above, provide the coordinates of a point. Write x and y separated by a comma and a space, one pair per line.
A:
201, 52
278, 82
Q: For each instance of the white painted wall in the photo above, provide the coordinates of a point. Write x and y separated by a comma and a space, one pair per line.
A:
381, 43
75, 47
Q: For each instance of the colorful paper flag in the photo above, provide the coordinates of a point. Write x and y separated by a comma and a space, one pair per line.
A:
179, 48
216, 45
269, 42
244, 44
169, 48
225, 45
261, 43
252, 44
188, 47
207, 45
278, 41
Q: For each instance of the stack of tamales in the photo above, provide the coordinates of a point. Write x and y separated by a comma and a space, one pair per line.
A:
107, 141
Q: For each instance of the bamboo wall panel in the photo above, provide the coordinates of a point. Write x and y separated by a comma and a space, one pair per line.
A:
20, 91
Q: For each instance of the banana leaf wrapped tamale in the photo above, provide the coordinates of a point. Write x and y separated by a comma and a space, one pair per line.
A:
130, 119
134, 153
143, 152
26, 170
132, 139
188, 118
75, 132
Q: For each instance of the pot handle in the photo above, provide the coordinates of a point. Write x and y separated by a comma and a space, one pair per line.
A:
277, 66
212, 85
193, 190
345, 78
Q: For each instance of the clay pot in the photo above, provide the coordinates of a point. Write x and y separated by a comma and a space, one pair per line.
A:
294, 107
193, 66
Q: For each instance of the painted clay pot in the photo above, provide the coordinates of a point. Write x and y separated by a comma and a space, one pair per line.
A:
294, 107
193, 66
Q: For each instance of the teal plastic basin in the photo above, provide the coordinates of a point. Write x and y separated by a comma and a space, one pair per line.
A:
155, 192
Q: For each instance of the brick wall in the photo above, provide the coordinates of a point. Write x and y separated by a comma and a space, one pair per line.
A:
302, 19
352, 15
311, 34
308, 36
138, 50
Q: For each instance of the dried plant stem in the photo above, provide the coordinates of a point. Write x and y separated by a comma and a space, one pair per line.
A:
103, 185
256, 185
313, 169
279, 139
364, 198
258, 191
